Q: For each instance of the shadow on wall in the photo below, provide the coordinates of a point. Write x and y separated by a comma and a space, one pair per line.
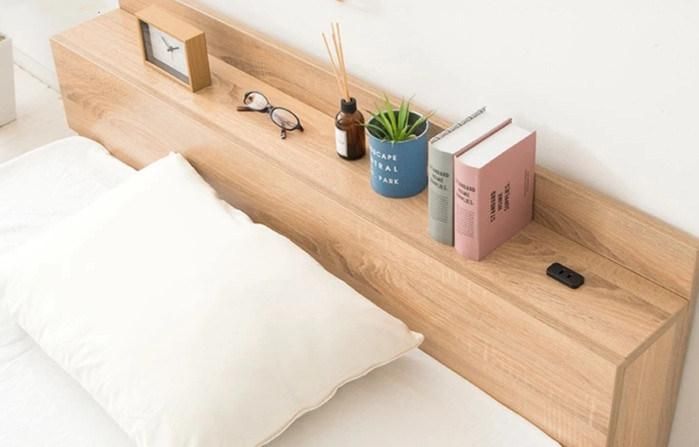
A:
31, 23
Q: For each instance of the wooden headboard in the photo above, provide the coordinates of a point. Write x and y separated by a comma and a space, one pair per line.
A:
597, 366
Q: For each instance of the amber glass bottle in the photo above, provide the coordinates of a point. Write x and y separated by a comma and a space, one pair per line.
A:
350, 142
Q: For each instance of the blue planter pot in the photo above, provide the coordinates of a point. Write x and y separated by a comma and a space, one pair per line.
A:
399, 169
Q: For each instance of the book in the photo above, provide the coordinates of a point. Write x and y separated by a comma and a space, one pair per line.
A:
442, 150
494, 191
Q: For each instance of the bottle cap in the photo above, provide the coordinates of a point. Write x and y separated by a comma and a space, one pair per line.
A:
348, 106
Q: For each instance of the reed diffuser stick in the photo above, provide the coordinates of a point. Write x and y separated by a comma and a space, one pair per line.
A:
337, 39
332, 62
342, 53
339, 68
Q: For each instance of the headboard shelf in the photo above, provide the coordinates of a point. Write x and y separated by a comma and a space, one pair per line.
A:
554, 355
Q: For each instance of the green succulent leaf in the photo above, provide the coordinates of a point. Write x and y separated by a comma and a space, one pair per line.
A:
393, 123
385, 122
401, 135
378, 131
403, 115
378, 122
390, 112
418, 123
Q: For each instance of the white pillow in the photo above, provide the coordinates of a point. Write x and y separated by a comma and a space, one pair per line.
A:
189, 324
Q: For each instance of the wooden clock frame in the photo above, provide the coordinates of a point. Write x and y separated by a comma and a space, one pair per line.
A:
194, 41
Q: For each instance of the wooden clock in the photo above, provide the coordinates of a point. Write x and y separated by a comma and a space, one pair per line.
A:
174, 47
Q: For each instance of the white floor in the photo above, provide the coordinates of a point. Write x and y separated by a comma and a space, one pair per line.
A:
40, 117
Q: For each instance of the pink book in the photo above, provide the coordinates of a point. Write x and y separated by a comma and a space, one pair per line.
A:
493, 191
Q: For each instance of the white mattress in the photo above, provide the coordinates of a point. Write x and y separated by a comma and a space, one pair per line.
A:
415, 401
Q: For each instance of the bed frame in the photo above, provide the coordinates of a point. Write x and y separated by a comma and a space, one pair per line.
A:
597, 366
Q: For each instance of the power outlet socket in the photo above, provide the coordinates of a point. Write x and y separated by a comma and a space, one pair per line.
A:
565, 275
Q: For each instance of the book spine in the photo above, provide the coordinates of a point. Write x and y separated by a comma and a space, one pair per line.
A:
440, 196
458, 124
466, 211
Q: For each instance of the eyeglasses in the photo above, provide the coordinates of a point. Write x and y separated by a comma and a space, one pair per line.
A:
285, 119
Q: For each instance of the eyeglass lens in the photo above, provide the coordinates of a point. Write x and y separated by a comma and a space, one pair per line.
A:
256, 101
285, 119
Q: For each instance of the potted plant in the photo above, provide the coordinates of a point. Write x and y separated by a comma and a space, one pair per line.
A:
398, 149
7, 82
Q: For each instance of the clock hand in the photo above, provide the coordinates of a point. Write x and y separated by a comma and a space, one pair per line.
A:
172, 50
165, 42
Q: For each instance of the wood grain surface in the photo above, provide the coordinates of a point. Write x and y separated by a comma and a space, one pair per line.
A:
567, 360
644, 395
639, 242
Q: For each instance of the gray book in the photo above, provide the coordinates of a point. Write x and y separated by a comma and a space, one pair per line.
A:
451, 143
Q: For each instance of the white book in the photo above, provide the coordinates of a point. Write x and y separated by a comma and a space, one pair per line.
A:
443, 148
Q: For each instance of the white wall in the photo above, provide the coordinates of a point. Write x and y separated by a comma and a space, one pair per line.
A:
612, 87
31, 23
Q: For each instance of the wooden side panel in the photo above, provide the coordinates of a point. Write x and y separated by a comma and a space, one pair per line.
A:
551, 379
270, 61
628, 237
683, 330
199, 71
648, 381
674, 376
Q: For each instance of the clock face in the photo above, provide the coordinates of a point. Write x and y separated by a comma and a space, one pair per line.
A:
165, 51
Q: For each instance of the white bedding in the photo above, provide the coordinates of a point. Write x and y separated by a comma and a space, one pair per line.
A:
414, 401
